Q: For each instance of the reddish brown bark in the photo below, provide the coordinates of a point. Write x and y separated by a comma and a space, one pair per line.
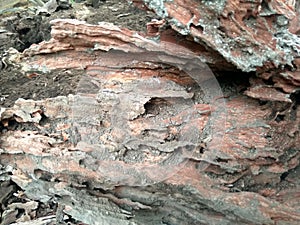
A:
139, 137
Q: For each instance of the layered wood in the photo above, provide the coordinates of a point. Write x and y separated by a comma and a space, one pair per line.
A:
151, 132
259, 36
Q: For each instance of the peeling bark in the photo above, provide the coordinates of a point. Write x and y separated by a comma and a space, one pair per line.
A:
141, 143
259, 36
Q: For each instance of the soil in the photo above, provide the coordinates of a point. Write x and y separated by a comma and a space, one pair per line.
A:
15, 85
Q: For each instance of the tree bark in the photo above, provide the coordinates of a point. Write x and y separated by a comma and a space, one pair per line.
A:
151, 137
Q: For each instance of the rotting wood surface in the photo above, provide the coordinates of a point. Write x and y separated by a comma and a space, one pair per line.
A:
248, 174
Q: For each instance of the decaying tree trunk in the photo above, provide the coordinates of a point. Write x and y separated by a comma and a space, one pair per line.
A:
150, 137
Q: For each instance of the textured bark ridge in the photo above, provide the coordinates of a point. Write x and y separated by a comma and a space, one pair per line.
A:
247, 33
259, 36
149, 137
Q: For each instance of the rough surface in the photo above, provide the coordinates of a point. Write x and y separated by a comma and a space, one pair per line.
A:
248, 34
235, 176
261, 36
22, 26
148, 136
